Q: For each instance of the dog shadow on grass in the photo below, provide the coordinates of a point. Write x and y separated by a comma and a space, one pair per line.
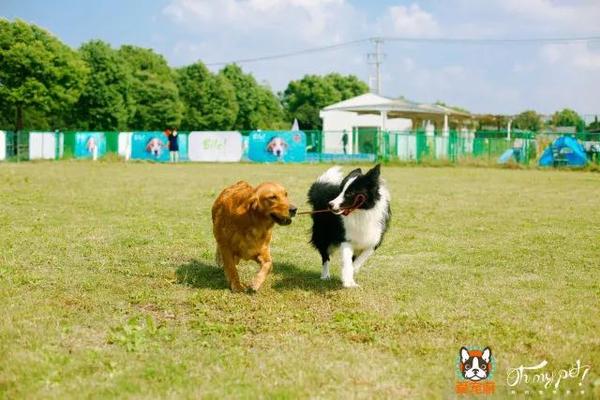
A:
285, 276
200, 274
290, 277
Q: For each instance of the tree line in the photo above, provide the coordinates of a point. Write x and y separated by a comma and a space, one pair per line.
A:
532, 121
45, 84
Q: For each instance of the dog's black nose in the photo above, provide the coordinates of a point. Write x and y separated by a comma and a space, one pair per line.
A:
293, 210
475, 371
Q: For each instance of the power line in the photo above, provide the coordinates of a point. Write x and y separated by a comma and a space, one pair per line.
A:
289, 54
467, 41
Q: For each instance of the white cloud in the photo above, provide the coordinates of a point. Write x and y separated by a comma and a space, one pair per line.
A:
581, 16
523, 68
412, 21
407, 64
577, 55
308, 20
457, 85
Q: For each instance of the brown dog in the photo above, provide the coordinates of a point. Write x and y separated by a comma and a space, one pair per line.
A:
243, 219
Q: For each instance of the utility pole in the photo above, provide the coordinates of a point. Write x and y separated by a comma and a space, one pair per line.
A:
376, 59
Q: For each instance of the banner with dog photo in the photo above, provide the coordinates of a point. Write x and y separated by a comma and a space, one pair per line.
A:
154, 146
89, 145
274, 146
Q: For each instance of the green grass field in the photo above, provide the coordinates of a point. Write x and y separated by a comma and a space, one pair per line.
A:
108, 287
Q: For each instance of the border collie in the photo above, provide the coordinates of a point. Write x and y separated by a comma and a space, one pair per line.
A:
358, 233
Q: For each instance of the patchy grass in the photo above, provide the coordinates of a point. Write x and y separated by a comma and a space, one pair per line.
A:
108, 288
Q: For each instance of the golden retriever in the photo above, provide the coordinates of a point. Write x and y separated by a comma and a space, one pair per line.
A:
243, 219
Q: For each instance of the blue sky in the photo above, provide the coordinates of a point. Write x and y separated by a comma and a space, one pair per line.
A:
483, 78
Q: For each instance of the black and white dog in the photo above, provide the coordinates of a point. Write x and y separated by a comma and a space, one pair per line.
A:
357, 233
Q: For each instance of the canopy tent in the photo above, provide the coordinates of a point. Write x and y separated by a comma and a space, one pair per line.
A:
387, 108
565, 150
295, 126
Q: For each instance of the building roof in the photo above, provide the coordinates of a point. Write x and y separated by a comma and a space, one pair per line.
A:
371, 103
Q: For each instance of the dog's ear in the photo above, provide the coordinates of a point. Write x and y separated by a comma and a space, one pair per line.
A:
374, 172
355, 172
487, 354
253, 202
464, 354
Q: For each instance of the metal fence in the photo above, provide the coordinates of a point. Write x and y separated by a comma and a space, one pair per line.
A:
364, 144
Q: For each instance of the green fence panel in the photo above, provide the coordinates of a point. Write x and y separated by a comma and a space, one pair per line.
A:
17, 146
69, 144
112, 142
314, 141
422, 146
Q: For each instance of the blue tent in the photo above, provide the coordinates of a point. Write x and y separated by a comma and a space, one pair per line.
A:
565, 150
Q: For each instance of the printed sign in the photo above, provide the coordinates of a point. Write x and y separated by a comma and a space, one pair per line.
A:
215, 146
42, 145
2, 145
155, 146
125, 145
273, 146
90, 145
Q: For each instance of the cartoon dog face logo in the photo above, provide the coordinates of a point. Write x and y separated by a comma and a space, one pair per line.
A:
277, 146
154, 147
475, 365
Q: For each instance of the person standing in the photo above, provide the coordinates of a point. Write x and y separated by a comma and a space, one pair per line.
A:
173, 146
345, 142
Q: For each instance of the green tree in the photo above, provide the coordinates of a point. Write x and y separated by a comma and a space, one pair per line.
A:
38, 73
209, 100
568, 117
528, 120
304, 98
490, 121
104, 103
347, 86
155, 103
457, 108
259, 108
595, 125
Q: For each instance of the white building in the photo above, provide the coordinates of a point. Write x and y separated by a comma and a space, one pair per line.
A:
369, 114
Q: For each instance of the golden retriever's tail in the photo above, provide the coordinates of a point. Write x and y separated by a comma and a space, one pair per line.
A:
218, 258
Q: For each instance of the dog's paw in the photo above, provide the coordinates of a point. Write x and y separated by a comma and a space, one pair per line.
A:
238, 288
251, 290
350, 284
254, 287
